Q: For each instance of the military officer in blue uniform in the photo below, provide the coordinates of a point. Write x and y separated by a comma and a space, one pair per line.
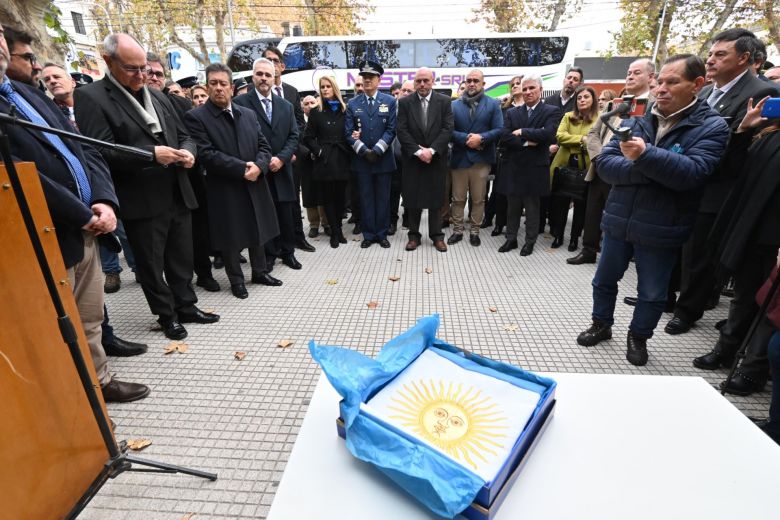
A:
369, 127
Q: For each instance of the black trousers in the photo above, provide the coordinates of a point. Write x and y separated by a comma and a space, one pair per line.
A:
698, 277
163, 246
233, 265
748, 279
395, 194
354, 195
201, 247
598, 191
334, 200
559, 215
434, 223
544, 213
756, 363
515, 205
283, 245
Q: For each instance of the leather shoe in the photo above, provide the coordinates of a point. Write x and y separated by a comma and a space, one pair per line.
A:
356, 230
291, 262
497, 231
455, 238
595, 334
677, 326
742, 385
314, 232
392, 229
573, 245
266, 279
527, 249
210, 284
334, 241
366, 244
122, 392
474, 240
440, 246
303, 245
121, 348
384, 243
196, 315
585, 257
173, 329
636, 350
412, 245
508, 246
239, 290
557, 242
713, 360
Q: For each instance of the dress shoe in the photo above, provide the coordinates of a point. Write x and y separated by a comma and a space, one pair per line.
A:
677, 326
291, 262
585, 257
713, 360
412, 245
557, 242
314, 232
266, 279
356, 230
636, 350
385, 243
527, 250
122, 392
573, 244
497, 231
743, 385
486, 223
218, 262
595, 334
303, 245
210, 284
366, 243
173, 329
455, 238
440, 246
334, 241
392, 229
508, 246
239, 290
121, 348
474, 240
241, 258
112, 283
342, 238
196, 315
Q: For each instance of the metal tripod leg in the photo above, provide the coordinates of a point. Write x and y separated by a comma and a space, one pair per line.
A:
166, 468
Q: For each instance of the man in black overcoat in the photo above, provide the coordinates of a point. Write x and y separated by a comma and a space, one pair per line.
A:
425, 125
234, 152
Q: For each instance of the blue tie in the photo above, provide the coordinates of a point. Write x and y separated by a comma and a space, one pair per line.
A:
32, 115
267, 103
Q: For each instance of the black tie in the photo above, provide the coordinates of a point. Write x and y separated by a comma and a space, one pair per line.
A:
370, 102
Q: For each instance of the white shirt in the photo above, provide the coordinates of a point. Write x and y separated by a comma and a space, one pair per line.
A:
728, 86
428, 100
262, 97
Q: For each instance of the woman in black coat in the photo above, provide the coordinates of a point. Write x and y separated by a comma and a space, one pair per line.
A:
324, 137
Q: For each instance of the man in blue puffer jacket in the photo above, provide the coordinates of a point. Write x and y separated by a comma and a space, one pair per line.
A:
657, 178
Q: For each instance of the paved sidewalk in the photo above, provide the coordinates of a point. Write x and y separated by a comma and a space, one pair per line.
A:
210, 411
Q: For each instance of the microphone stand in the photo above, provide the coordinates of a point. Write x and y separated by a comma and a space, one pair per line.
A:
118, 461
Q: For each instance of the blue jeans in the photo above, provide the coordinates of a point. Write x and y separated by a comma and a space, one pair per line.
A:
654, 266
774, 362
109, 260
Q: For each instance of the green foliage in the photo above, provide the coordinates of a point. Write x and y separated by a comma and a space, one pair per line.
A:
52, 20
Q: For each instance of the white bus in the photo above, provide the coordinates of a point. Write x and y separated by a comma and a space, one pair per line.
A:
499, 56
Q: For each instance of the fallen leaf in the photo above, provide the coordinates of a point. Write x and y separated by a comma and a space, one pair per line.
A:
510, 328
357, 239
284, 343
493, 308
372, 304
428, 270
331, 281
394, 278
398, 260
188, 516
138, 444
176, 346
239, 355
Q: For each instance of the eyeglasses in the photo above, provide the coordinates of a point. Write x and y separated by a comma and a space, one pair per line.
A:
473, 80
156, 73
29, 56
143, 69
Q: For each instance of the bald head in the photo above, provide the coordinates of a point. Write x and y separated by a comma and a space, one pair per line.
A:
126, 60
423, 81
640, 73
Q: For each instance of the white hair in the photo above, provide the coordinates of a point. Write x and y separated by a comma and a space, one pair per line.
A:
262, 60
535, 78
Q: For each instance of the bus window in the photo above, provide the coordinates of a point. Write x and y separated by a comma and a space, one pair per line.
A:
431, 53
530, 52
389, 53
243, 56
312, 55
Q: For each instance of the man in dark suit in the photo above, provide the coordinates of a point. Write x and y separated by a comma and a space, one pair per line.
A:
82, 203
156, 197
478, 125
733, 83
277, 121
233, 150
528, 132
425, 125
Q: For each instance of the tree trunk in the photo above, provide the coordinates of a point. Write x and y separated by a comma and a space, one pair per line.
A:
773, 24
29, 14
663, 49
219, 29
720, 22
560, 8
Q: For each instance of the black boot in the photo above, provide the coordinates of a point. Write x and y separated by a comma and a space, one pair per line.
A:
636, 350
595, 334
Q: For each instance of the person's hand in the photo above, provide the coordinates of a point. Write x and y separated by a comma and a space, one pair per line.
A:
753, 115
518, 132
356, 134
166, 155
553, 149
106, 219
371, 156
276, 164
474, 141
294, 158
89, 225
425, 155
187, 159
252, 172
633, 148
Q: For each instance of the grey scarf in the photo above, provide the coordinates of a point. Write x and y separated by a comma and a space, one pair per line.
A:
147, 112
472, 101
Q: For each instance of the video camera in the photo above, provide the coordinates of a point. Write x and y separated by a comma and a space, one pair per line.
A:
625, 107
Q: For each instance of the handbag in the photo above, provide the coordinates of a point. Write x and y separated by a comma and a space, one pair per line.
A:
569, 181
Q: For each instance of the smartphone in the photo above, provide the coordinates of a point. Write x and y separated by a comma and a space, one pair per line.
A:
771, 108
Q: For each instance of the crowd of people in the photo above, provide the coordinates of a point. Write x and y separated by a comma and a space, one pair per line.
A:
688, 191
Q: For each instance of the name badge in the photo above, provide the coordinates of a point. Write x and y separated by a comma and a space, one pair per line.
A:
384, 108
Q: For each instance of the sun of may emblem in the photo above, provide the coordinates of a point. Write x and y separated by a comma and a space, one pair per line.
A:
463, 423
